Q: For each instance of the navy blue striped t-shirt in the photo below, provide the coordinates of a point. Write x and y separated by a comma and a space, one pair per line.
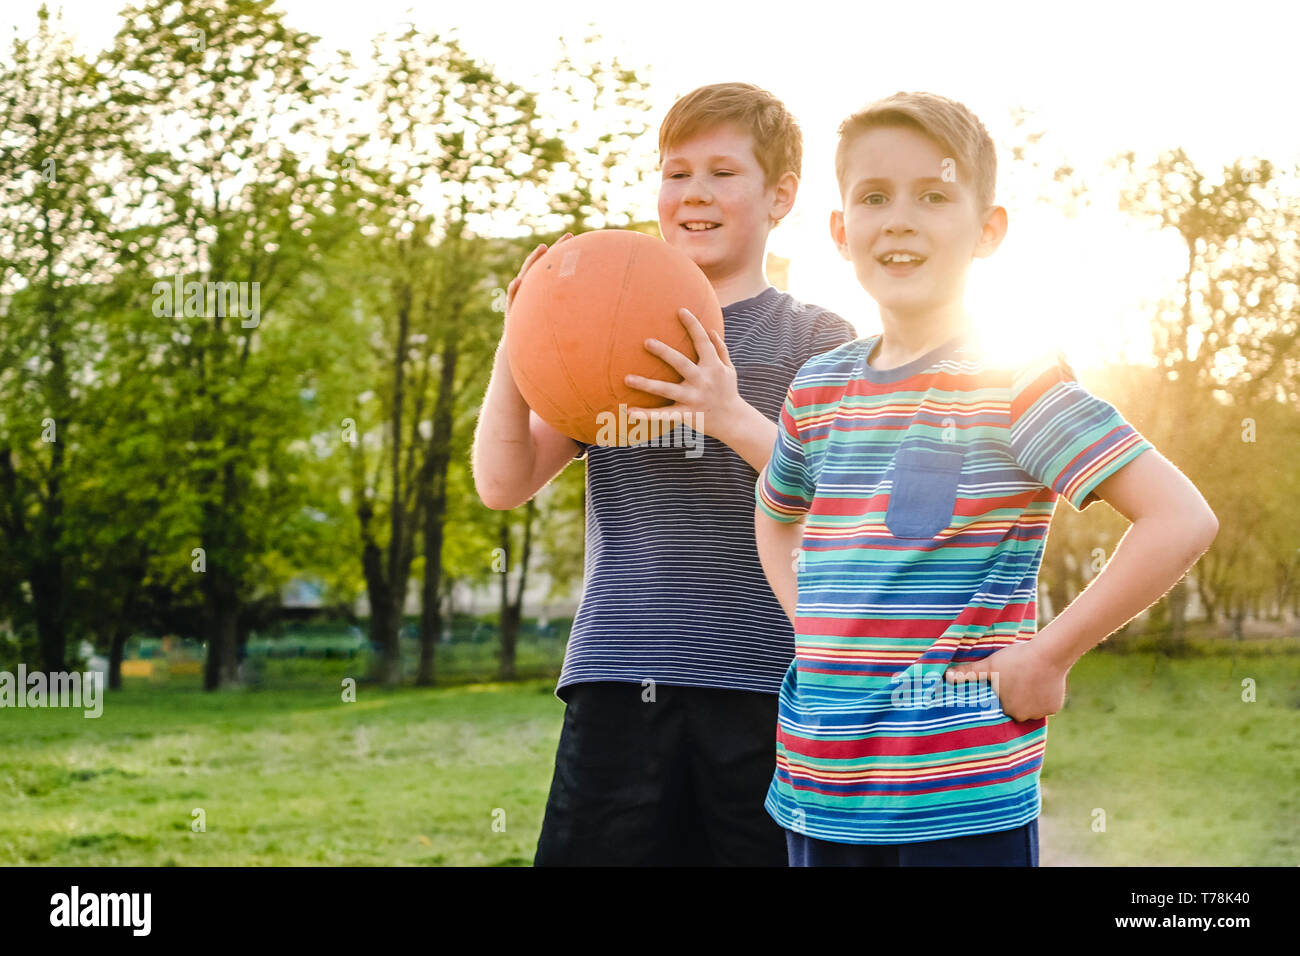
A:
673, 591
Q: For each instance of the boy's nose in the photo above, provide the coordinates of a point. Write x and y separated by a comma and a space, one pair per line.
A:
696, 193
899, 220
899, 225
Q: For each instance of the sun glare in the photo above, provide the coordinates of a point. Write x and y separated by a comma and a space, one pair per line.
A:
1087, 285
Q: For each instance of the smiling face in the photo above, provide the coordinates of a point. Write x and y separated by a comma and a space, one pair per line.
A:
909, 225
714, 204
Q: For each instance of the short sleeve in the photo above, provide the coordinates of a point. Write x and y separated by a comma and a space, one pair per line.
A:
784, 489
829, 331
1064, 437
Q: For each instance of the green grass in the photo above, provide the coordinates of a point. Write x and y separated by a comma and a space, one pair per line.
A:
284, 777
462, 662
1185, 771
289, 774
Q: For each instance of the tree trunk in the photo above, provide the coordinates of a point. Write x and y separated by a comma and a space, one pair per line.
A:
1178, 615
47, 572
506, 664
221, 630
383, 640
223, 544
1204, 592
433, 491
512, 610
242, 630
392, 673
430, 605
399, 532
116, 648
46, 580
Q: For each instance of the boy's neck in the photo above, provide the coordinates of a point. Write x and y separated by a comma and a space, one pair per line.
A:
736, 288
907, 337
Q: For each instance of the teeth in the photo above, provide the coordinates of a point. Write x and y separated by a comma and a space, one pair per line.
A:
700, 226
900, 257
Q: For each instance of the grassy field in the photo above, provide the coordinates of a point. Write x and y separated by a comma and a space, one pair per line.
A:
287, 773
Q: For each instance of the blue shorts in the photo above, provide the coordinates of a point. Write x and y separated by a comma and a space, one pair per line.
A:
1017, 847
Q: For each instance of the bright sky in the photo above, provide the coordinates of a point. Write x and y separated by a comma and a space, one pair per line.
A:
1103, 78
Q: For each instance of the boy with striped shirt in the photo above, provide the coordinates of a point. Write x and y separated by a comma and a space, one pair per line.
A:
679, 646
915, 476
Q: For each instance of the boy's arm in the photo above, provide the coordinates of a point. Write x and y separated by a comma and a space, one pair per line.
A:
748, 433
778, 542
515, 453
1171, 527
783, 496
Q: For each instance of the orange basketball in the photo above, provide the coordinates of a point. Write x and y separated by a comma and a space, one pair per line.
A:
579, 322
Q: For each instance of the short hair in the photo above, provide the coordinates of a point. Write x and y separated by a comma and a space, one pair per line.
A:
951, 125
778, 141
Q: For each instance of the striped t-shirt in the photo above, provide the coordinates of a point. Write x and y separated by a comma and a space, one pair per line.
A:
673, 591
928, 490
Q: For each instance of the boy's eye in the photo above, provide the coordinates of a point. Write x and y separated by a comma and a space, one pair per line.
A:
724, 172
873, 199
935, 197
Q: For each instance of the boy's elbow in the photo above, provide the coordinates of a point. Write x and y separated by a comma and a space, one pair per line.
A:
487, 485
1199, 530
1209, 529
495, 500
491, 493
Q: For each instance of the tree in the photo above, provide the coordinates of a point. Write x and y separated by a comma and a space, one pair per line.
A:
214, 94
458, 154
1228, 350
54, 260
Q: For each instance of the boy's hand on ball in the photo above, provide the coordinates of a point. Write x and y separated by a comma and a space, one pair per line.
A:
1028, 684
707, 395
513, 288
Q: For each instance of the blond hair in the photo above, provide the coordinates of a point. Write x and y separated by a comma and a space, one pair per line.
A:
778, 141
951, 125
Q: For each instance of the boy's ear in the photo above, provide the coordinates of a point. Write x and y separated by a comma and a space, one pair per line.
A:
787, 187
993, 232
838, 235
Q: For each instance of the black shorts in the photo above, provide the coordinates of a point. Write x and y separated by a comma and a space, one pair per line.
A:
679, 780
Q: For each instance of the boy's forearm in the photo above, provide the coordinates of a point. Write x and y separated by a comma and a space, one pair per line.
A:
778, 542
748, 433
1151, 558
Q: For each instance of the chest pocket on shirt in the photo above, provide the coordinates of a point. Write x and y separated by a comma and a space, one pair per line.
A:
923, 493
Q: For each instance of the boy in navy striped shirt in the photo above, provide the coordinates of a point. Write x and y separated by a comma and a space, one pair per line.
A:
678, 648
